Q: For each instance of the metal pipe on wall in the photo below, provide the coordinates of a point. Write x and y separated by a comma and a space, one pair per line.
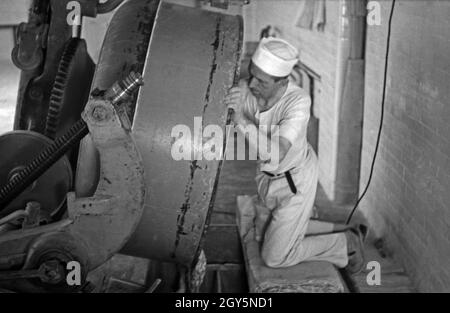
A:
349, 98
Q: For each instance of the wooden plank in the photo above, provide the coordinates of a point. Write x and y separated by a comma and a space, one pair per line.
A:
225, 278
237, 178
222, 244
305, 277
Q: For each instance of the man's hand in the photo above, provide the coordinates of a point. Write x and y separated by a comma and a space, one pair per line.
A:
235, 99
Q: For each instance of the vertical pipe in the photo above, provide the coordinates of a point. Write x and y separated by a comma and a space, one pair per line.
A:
349, 100
341, 68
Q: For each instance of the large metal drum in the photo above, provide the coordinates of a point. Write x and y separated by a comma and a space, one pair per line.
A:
188, 65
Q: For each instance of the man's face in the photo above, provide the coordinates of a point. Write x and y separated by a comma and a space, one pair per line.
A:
261, 84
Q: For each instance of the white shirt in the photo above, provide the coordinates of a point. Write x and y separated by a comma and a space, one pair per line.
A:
291, 114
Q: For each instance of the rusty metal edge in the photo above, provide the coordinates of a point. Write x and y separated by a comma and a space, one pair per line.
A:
216, 182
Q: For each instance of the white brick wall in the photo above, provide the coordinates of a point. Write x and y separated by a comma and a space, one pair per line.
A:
408, 200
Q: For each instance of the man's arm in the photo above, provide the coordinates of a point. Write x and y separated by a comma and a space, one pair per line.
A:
267, 154
277, 145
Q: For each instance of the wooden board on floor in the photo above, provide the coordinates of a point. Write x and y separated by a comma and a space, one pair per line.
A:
222, 244
306, 277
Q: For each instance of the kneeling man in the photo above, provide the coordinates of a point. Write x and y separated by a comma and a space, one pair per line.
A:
279, 111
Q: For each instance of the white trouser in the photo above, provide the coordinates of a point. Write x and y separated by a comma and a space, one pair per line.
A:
283, 218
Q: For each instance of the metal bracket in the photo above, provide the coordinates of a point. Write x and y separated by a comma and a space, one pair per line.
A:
31, 37
100, 225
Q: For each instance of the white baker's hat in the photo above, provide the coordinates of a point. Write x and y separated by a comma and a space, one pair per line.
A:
275, 56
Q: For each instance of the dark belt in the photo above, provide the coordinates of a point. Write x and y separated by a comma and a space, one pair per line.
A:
289, 179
